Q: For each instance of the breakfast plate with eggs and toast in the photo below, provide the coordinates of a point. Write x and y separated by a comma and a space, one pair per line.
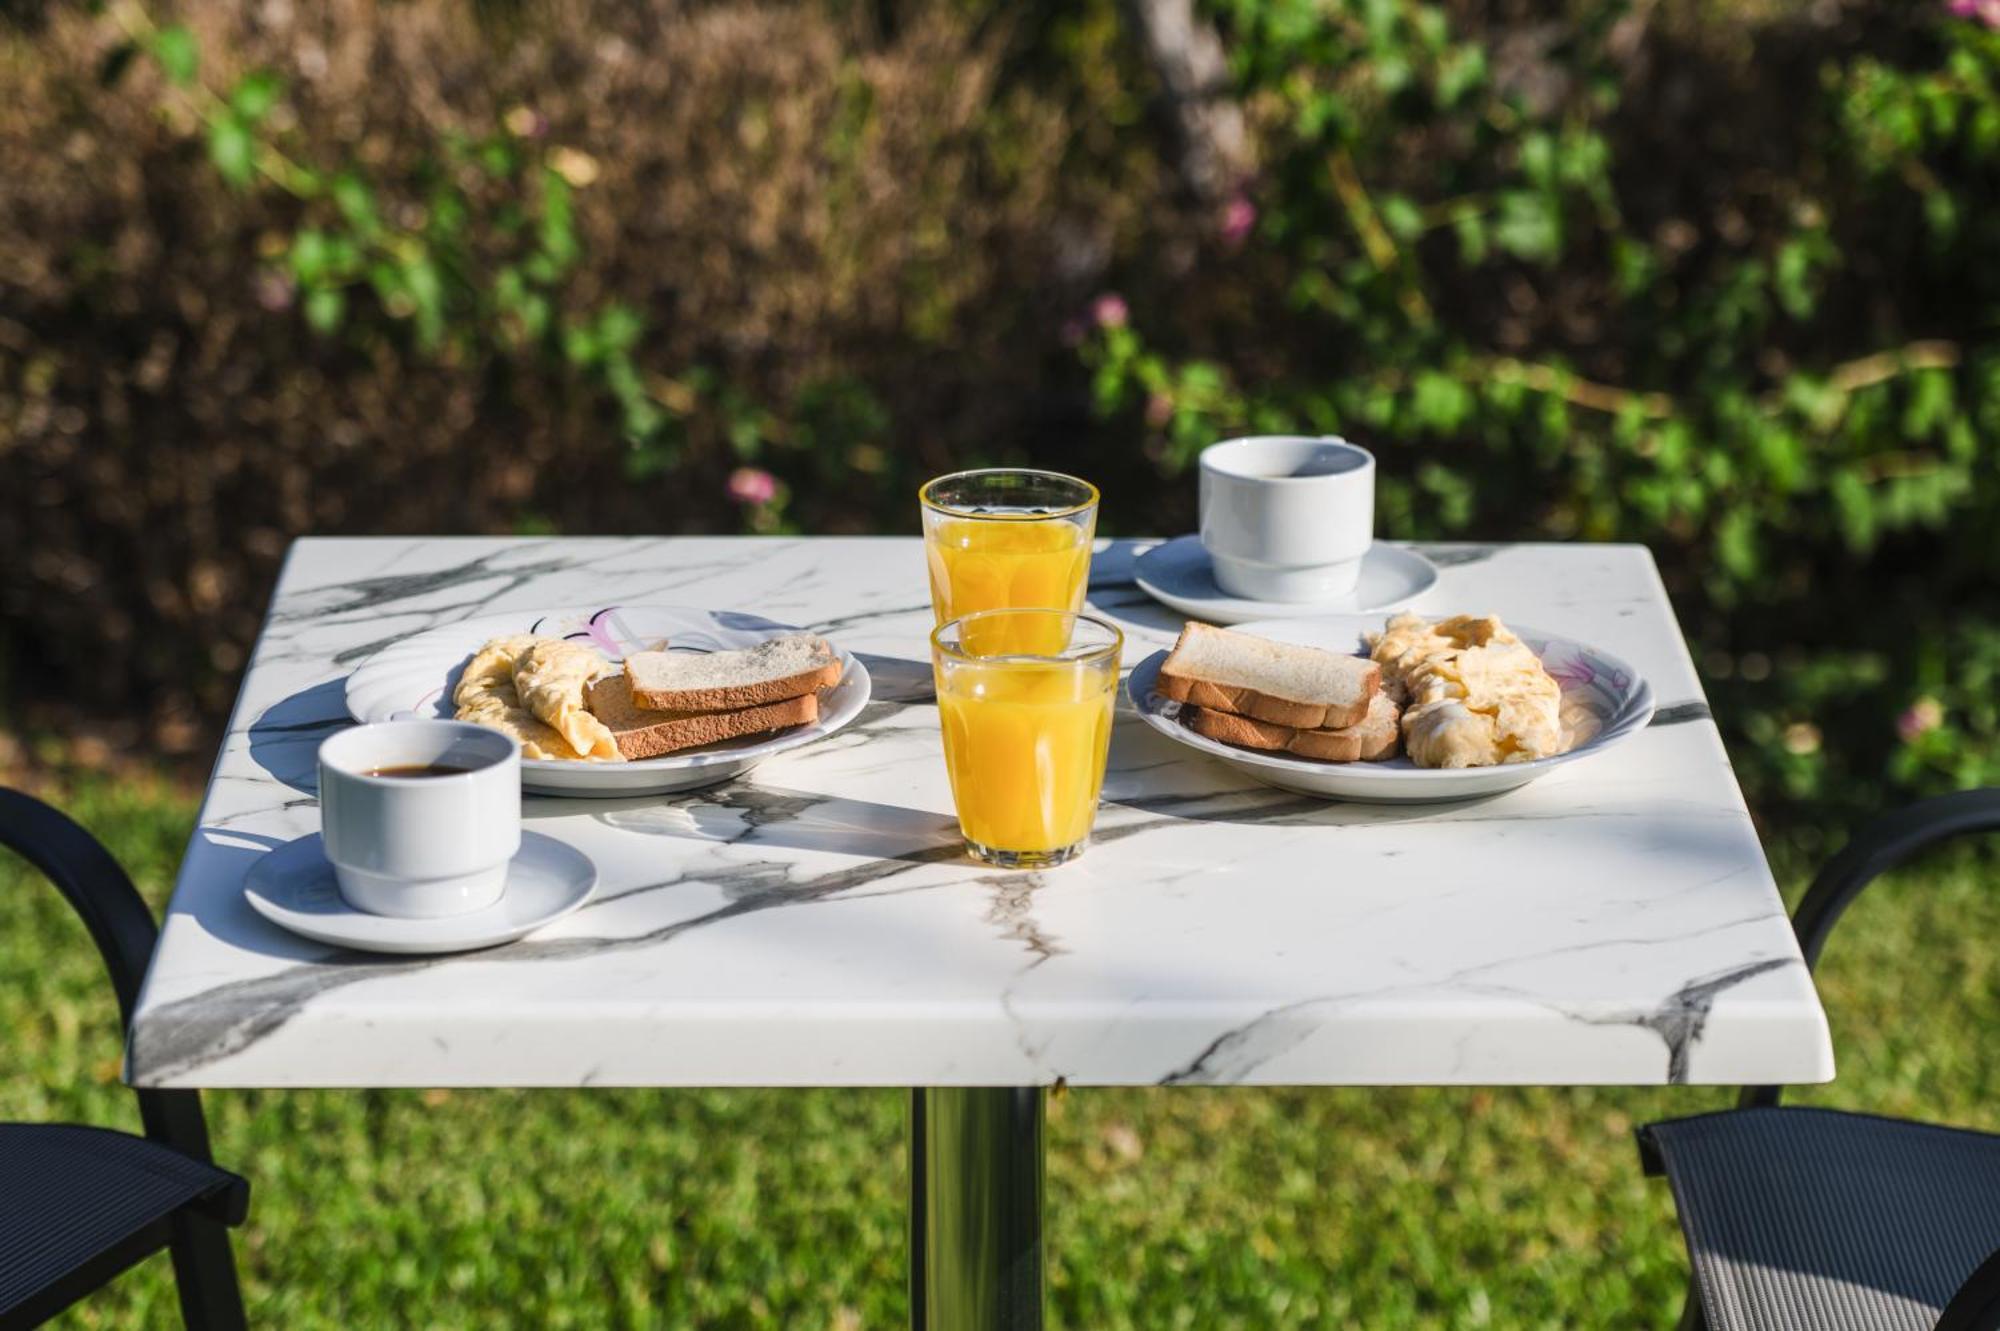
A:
621, 700
1399, 709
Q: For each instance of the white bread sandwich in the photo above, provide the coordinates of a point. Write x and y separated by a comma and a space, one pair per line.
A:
1375, 737
652, 732
1305, 688
794, 666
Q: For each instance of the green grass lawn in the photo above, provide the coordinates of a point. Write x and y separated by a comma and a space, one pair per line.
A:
1185, 1208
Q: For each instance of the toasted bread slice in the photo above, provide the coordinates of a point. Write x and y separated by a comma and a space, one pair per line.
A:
1306, 688
1376, 737
645, 732
772, 671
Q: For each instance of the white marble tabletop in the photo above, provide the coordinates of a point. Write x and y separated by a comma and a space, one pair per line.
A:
816, 924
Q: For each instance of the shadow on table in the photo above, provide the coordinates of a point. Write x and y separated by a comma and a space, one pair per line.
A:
1111, 565
893, 679
1116, 595
285, 737
222, 857
1254, 803
1148, 625
743, 814
1149, 774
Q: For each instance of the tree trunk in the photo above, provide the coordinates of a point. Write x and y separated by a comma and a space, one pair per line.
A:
1187, 55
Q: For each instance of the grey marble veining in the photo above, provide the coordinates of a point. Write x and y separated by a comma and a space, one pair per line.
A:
817, 923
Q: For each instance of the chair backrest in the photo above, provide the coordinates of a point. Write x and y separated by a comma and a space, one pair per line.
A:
1884, 844
95, 885
99, 890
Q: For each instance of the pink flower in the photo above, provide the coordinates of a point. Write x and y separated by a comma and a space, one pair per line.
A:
524, 122
275, 290
1919, 719
752, 485
1109, 310
1159, 410
1986, 11
1239, 219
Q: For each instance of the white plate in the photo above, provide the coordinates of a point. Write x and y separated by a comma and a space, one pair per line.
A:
1180, 574
293, 887
415, 678
1604, 701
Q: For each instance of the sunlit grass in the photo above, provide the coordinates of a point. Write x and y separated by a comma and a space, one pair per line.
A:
750, 1209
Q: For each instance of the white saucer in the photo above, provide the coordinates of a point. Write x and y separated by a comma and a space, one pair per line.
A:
293, 887
1180, 575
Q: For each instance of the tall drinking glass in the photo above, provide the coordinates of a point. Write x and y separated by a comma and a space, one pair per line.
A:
1025, 733
1002, 540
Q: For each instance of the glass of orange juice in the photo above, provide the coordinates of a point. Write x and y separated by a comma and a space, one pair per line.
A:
1025, 732
1004, 539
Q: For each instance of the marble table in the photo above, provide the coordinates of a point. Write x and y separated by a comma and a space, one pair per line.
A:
817, 925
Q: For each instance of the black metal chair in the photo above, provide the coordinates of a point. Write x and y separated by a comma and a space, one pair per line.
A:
1818, 1220
80, 1204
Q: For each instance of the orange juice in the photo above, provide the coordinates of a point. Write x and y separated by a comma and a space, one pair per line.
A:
1007, 563
1024, 746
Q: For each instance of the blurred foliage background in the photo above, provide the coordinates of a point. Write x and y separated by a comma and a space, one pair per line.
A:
1716, 277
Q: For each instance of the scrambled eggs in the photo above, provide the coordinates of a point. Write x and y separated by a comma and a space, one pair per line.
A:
550, 677
488, 695
1474, 694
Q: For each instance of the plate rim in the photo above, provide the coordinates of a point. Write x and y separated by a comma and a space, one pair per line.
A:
1637, 714
852, 671
1256, 611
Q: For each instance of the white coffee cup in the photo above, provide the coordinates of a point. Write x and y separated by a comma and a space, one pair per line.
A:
420, 846
1287, 517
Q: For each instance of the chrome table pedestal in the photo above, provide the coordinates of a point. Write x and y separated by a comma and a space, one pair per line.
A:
976, 1208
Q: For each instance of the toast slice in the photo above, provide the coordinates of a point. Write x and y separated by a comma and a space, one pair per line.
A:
1377, 736
773, 671
646, 732
1306, 688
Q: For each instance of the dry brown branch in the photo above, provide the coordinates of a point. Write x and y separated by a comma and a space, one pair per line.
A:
1375, 237
1867, 371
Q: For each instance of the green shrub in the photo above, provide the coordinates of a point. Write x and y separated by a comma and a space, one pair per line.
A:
1714, 278
459, 268
1631, 285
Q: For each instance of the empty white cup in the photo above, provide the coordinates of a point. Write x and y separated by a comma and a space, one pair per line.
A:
1287, 517
419, 847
